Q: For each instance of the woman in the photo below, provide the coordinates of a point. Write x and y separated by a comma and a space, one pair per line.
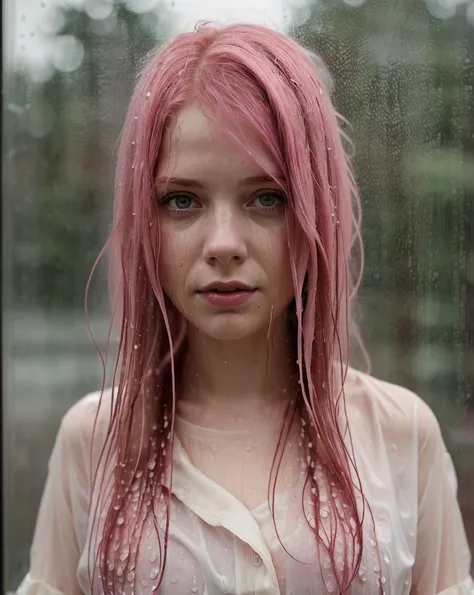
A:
237, 451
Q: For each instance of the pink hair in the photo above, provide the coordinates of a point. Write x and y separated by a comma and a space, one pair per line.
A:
242, 76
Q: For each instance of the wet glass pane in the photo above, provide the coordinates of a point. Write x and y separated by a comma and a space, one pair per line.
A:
402, 73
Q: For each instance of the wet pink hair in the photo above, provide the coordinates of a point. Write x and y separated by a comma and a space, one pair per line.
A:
242, 76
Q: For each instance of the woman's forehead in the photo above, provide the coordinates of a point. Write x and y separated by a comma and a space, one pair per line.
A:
194, 144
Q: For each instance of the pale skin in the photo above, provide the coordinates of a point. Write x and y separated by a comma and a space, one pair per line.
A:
224, 220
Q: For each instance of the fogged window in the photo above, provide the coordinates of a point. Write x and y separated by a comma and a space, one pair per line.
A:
402, 73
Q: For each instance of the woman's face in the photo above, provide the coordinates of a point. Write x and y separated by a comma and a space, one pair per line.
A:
224, 259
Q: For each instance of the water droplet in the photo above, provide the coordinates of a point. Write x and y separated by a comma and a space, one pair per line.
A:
386, 559
119, 571
151, 465
248, 448
383, 580
153, 573
124, 553
153, 557
324, 513
327, 563
135, 346
376, 568
130, 576
330, 587
120, 520
148, 94
174, 578
372, 543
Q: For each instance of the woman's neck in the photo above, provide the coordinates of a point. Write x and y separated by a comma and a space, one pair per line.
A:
235, 375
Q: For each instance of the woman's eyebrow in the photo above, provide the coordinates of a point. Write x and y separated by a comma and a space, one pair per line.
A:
163, 181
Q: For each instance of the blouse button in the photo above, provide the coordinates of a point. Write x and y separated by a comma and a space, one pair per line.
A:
256, 560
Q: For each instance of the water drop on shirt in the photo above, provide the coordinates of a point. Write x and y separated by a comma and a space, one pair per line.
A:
174, 578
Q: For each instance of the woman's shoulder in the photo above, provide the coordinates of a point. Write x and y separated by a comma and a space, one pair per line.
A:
84, 422
390, 410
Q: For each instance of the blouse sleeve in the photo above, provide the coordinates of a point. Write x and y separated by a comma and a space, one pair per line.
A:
442, 559
62, 518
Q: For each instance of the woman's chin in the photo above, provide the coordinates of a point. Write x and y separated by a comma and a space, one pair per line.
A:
227, 329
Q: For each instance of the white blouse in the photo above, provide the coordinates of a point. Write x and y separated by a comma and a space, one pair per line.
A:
222, 536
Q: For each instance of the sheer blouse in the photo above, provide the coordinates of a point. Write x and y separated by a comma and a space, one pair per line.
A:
222, 535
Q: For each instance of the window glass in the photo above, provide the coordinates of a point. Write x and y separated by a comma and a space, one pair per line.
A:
402, 74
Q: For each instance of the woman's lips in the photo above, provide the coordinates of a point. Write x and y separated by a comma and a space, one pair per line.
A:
227, 299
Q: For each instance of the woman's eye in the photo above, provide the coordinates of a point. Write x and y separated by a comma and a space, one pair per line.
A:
270, 200
180, 202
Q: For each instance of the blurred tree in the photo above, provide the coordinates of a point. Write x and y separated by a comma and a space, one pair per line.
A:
404, 79
62, 178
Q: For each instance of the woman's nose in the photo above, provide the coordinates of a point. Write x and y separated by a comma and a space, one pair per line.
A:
225, 241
